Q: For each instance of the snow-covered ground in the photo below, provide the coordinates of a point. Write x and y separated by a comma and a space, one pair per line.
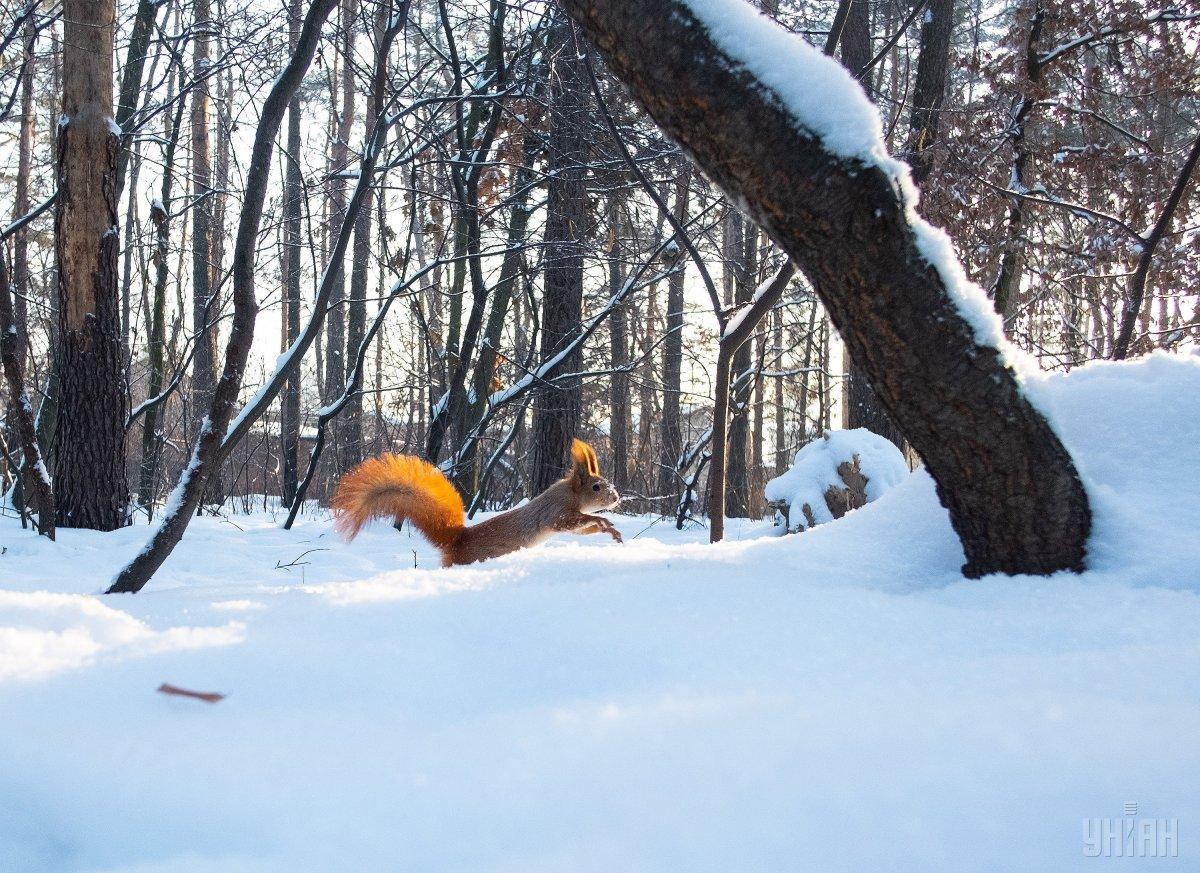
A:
836, 700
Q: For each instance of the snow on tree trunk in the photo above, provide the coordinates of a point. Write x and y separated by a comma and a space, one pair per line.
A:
791, 137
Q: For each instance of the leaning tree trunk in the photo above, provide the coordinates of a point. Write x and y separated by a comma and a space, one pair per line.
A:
1012, 491
556, 408
210, 446
90, 466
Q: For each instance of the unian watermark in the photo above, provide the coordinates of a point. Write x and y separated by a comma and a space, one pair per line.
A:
1131, 836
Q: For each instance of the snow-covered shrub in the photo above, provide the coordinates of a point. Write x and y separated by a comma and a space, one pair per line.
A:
840, 471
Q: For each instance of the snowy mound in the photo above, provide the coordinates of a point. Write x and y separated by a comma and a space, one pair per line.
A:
838, 701
816, 469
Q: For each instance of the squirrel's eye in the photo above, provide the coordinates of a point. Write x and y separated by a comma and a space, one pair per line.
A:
596, 487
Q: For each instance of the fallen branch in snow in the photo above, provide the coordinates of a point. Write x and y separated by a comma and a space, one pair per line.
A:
206, 696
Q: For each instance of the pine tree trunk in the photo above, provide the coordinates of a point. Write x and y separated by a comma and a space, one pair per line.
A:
672, 354
90, 460
556, 409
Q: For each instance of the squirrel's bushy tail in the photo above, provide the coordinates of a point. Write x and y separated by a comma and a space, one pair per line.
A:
402, 487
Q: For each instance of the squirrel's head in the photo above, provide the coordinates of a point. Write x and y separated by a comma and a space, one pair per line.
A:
594, 491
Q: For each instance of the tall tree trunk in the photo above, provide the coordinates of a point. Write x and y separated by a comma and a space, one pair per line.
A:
335, 327
501, 299
38, 491
213, 442
737, 504
351, 444
289, 414
205, 309
672, 354
131, 79
1027, 22
937, 26
780, 414
90, 461
556, 409
1012, 491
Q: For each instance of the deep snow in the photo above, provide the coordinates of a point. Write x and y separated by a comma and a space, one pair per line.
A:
835, 700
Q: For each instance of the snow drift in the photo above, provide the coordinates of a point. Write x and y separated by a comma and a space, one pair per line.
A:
840, 700
815, 470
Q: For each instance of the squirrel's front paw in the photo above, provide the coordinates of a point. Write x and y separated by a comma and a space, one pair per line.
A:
614, 533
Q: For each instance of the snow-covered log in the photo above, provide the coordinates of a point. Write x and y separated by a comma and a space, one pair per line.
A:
841, 471
791, 137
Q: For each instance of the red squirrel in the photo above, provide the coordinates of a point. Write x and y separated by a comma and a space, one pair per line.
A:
408, 488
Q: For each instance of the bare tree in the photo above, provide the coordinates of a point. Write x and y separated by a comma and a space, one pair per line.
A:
845, 225
90, 461
929, 89
205, 307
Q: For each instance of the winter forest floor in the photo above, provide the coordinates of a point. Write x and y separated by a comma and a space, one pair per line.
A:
837, 700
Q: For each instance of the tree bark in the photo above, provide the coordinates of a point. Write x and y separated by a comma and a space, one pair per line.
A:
1011, 489
619, 416
90, 459
731, 340
556, 408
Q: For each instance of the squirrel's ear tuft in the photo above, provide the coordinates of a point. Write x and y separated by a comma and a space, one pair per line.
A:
584, 458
